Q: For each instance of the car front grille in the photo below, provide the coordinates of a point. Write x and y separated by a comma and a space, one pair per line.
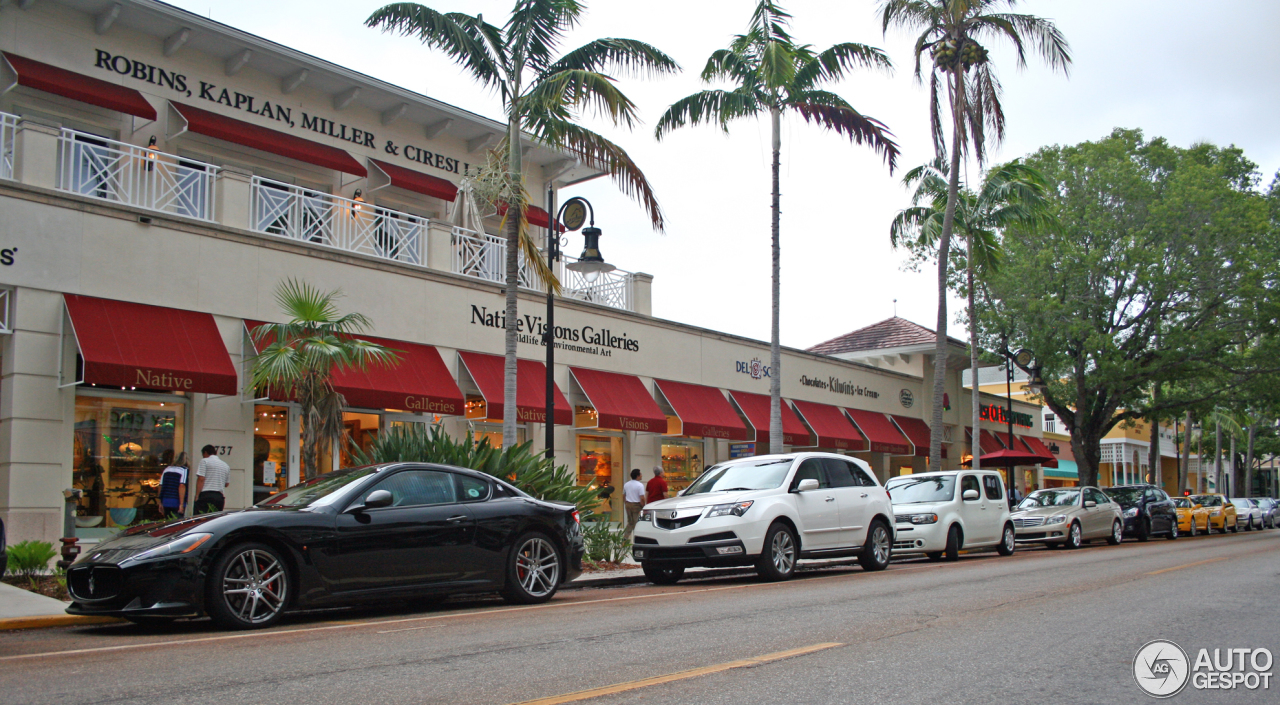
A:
680, 523
1022, 523
1033, 535
95, 583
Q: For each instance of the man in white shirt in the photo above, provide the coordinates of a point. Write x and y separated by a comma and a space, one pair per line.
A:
633, 499
211, 482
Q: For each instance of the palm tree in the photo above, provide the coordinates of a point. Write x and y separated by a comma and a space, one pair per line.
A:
952, 31
773, 74
1012, 194
298, 360
543, 95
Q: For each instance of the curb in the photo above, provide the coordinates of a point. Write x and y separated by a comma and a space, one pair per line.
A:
708, 573
53, 620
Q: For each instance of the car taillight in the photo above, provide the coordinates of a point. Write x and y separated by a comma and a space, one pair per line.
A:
577, 519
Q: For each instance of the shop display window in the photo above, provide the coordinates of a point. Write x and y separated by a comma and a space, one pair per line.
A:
599, 462
270, 448
121, 447
493, 432
358, 431
681, 463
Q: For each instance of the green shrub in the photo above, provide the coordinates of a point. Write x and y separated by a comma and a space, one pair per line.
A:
30, 558
532, 473
605, 543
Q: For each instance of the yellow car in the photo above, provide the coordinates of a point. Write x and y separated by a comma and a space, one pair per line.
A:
1192, 518
1222, 513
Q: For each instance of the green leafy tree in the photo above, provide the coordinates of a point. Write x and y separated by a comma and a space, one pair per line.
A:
953, 32
1163, 271
773, 74
298, 359
1010, 194
542, 94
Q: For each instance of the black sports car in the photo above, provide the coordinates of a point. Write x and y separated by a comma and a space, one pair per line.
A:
359, 534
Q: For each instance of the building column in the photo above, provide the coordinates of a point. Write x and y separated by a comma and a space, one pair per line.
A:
642, 293
233, 197
35, 152
439, 254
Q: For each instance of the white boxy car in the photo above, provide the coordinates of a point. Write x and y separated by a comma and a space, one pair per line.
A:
768, 511
940, 513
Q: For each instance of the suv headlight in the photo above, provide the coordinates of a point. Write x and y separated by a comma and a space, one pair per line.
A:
1057, 519
186, 544
1131, 512
736, 509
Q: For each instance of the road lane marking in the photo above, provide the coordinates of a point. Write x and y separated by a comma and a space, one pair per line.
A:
411, 629
1188, 565
678, 676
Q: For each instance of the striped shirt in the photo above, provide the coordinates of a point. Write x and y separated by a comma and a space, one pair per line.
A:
214, 472
171, 480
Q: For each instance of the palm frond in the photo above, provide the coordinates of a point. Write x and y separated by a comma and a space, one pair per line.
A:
716, 106
777, 65
620, 56
834, 62
1048, 39
834, 113
556, 93
535, 28
444, 32
730, 65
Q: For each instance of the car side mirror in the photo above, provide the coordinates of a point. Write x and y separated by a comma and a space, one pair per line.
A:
1090, 504
807, 484
970, 495
376, 499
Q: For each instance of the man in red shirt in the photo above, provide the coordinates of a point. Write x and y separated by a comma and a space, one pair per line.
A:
657, 487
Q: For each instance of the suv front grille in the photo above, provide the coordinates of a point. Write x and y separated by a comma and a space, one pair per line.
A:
680, 523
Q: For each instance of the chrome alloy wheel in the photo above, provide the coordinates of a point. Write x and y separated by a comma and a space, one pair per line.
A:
1117, 531
255, 586
538, 567
1076, 538
782, 551
880, 544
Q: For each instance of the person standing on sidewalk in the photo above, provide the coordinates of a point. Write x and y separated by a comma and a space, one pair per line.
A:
211, 482
633, 500
173, 486
657, 487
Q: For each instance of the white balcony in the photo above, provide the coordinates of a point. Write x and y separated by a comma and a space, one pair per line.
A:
8, 125
92, 166
303, 215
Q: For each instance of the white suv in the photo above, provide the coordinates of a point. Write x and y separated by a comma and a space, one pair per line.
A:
939, 513
768, 511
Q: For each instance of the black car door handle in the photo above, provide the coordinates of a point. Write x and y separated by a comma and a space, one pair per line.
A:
460, 517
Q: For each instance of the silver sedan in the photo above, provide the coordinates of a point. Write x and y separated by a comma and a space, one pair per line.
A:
1068, 516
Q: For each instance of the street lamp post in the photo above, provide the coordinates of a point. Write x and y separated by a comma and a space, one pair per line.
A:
1026, 361
570, 216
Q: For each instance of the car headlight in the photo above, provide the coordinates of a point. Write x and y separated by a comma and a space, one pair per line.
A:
1215, 513
1057, 519
924, 518
736, 509
186, 544
1131, 512
646, 515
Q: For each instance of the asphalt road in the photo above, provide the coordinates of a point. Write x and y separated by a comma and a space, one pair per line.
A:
1041, 626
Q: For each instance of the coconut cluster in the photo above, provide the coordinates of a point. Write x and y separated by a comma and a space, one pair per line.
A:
945, 55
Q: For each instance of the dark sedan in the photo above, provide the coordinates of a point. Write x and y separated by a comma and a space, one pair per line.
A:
354, 535
1148, 511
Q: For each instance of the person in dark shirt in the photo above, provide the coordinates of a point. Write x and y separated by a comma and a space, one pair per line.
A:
173, 486
657, 487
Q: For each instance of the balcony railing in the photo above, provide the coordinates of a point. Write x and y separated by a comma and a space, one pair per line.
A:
304, 215
146, 178
8, 125
484, 256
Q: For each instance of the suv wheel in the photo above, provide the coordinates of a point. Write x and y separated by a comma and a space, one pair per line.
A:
662, 576
778, 560
878, 548
952, 551
1008, 541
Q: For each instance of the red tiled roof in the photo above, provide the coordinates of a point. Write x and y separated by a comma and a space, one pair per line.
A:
890, 333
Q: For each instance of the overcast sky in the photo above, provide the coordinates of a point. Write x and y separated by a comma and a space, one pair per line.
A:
1187, 71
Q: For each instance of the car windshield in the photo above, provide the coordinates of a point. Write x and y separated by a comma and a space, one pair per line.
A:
913, 490
755, 475
1182, 502
315, 491
1242, 503
1125, 496
1207, 500
1050, 498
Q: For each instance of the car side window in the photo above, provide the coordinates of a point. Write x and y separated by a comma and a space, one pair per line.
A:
471, 489
968, 482
411, 488
861, 477
1099, 497
838, 472
993, 486
810, 469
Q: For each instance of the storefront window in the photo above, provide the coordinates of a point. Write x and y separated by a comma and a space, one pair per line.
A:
358, 430
121, 447
681, 463
493, 432
599, 462
270, 447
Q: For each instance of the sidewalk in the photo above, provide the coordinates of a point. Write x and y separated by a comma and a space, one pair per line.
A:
22, 609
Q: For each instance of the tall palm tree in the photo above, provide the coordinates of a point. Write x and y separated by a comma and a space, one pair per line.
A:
298, 359
543, 95
1011, 194
772, 74
952, 31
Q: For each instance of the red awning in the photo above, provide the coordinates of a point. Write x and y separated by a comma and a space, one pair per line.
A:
420, 383
883, 436
703, 411
987, 442
488, 372
621, 401
411, 180
831, 427
150, 347
203, 122
916, 431
76, 86
756, 408
1005, 458
537, 216
1039, 448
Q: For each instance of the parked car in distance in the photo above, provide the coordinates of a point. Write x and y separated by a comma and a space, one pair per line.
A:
1068, 516
1222, 513
1192, 518
768, 511
1248, 513
1148, 511
940, 513
1269, 508
365, 534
